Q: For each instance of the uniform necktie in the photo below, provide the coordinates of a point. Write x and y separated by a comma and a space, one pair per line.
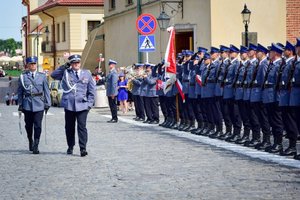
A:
32, 75
76, 74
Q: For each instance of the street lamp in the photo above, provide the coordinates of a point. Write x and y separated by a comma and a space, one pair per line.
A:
246, 13
37, 44
163, 18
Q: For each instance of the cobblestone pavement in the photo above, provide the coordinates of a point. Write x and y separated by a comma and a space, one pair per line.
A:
127, 161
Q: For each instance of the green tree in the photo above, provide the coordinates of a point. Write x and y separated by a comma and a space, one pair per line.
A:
10, 46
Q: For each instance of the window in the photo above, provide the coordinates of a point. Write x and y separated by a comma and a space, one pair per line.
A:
91, 25
129, 2
57, 33
112, 4
63, 31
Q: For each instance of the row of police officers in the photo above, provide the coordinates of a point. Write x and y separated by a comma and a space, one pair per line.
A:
244, 95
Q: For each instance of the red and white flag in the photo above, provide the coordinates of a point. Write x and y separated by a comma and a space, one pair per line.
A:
170, 61
179, 87
199, 80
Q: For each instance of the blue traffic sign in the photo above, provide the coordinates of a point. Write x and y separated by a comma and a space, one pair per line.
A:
146, 43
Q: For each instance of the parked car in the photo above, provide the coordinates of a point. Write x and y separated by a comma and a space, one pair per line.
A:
56, 92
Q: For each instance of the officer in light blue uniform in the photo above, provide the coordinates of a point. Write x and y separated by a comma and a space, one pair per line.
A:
151, 98
136, 92
112, 90
199, 107
225, 62
33, 98
283, 87
208, 90
270, 97
78, 98
243, 105
231, 112
254, 81
295, 88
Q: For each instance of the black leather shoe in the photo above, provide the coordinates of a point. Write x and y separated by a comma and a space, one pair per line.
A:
276, 148
262, 146
174, 126
30, 146
70, 151
252, 143
83, 153
225, 136
243, 140
135, 118
35, 149
291, 151
154, 122
147, 121
112, 121
297, 157
162, 124
216, 134
140, 119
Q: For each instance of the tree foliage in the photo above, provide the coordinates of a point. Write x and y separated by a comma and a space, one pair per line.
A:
9, 46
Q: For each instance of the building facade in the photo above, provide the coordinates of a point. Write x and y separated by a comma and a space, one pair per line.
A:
69, 23
198, 23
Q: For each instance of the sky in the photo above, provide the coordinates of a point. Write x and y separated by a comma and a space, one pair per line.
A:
11, 13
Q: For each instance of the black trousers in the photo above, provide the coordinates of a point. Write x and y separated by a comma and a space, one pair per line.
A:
163, 105
216, 109
151, 108
202, 103
171, 107
190, 108
185, 111
33, 121
275, 119
113, 107
196, 106
231, 113
139, 106
262, 118
70, 119
180, 107
208, 107
289, 117
244, 109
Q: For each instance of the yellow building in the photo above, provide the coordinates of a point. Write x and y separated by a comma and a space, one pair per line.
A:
197, 22
69, 23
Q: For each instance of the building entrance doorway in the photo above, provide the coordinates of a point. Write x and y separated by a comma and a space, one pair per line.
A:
184, 40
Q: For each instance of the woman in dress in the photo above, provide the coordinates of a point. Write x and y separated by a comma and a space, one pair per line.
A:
123, 93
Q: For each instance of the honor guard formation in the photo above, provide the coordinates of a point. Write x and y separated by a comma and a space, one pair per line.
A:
245, 95
248, 96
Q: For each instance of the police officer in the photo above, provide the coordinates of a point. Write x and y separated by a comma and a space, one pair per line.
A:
151, 98
294, 81
136, 92
78, 98
283, 87
230, 108
161, 96
34, 98
112, 90
255, 82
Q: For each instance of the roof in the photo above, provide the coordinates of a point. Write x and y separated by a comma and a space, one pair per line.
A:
53, 3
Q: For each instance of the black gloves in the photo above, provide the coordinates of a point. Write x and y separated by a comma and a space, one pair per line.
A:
20, 109
67, 65
46, 109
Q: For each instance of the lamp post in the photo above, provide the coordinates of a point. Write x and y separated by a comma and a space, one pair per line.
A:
163, 18
246, 13
37, 44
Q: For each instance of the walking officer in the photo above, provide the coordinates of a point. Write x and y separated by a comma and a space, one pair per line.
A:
34, 98
78, 98
112, 90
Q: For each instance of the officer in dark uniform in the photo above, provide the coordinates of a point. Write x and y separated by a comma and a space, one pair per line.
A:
34, 99
199, 107
230, 108
78, 98
160, 92
136, 92
283, 88
294, 82
112, 90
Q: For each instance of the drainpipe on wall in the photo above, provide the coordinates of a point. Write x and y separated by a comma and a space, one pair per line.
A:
53, 38
139, 12
27, 30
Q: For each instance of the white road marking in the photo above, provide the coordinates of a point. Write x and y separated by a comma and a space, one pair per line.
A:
253, 153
